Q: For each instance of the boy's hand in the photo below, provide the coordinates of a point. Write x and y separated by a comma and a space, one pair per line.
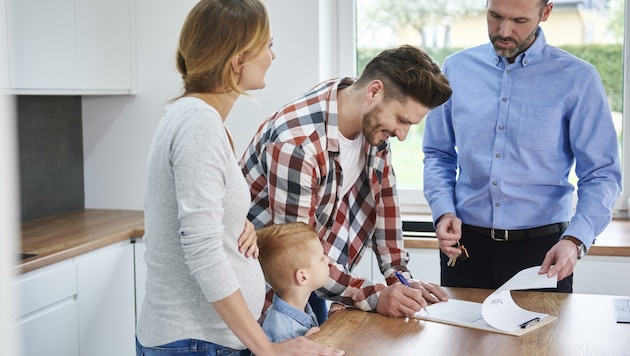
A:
311, 331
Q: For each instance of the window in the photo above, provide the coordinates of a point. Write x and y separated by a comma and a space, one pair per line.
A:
590, 29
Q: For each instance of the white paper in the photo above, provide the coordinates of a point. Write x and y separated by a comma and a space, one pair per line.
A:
498, 311
529, 279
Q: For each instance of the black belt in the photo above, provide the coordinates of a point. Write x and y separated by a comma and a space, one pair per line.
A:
514, 235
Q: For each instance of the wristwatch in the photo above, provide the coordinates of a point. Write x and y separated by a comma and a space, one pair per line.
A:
581, 249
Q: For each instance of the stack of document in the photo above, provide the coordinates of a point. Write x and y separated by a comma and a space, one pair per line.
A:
498, 313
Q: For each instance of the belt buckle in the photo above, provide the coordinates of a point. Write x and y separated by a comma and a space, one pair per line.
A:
493, 236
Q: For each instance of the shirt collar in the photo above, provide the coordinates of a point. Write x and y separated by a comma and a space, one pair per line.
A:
530, 55
304, 317
332, 121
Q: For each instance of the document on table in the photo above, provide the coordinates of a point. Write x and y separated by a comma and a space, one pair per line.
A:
498, 313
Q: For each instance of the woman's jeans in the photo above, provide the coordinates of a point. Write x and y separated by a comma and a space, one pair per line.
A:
189, 347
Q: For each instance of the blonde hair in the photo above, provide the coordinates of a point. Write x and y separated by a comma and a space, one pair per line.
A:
214, 33
283, 250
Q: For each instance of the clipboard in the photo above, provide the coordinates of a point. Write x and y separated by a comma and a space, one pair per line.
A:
468, 314
498, 313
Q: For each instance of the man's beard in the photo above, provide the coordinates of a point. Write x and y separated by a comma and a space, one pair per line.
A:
370, 127
518, 48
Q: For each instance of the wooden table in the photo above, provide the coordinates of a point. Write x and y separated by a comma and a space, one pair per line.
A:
586, 325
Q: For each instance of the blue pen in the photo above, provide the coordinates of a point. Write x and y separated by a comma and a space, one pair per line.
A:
404, 281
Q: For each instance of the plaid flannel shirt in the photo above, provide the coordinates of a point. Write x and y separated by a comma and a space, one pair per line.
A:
293, 169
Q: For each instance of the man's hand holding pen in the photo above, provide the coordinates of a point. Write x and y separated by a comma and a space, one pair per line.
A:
405, 300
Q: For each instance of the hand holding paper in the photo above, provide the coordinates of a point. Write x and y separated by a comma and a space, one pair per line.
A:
499, 309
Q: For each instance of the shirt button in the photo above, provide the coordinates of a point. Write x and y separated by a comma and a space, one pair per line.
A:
508, 71
494, 183
503, 99
498, 155
497, 204
500, 127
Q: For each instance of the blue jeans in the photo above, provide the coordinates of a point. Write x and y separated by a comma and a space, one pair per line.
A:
189, 347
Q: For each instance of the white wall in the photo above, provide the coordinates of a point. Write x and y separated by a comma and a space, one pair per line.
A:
117, 130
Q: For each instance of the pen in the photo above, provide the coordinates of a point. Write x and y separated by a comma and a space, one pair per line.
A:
529, 322
404, 281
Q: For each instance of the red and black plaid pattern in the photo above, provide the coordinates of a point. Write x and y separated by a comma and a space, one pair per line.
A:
292, 166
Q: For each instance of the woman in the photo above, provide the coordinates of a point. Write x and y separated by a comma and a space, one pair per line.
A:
205, 288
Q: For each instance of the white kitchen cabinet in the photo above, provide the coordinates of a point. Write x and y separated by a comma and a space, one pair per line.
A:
48, 311
106, 300
602, 275
55, 332
141, 273
83, 306
70, 46
364, 268
424, 265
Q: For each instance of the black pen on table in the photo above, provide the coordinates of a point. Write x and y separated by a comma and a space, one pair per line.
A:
404, 281
529, 323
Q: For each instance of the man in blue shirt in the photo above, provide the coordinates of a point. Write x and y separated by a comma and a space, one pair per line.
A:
498, 155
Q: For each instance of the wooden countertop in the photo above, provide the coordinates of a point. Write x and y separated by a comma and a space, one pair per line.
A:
613, 241
67, 235
59, 237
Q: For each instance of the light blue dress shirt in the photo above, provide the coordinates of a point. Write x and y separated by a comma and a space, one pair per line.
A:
283, 321
498, 153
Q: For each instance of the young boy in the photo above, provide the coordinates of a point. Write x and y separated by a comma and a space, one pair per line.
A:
294, 265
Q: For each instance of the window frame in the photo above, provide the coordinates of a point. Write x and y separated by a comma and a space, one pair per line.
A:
412, 201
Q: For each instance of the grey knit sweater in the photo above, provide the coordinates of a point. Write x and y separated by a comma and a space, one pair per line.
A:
196, 203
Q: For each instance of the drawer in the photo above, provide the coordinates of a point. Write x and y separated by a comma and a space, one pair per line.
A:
45, 286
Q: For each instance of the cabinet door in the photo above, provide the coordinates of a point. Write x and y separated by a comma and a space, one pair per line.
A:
424, 265
591, 272
103, 44
41, 44
106, 301
141, 274
47, 321
70, 46
53, 332
364, 268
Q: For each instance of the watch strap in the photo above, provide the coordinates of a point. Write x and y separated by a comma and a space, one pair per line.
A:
581, 249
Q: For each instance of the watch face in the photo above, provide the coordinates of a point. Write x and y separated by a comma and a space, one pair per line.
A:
581, 251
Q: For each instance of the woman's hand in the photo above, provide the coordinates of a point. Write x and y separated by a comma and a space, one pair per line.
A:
247, 241
301, 346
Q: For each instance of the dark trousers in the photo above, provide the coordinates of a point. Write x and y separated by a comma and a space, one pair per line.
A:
319, 307
492, 263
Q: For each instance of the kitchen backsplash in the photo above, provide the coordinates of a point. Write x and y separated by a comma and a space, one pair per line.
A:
51, 155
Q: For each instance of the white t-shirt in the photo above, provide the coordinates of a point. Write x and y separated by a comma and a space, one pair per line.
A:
352, 158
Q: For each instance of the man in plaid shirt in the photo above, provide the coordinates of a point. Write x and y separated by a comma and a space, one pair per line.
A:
324, 159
